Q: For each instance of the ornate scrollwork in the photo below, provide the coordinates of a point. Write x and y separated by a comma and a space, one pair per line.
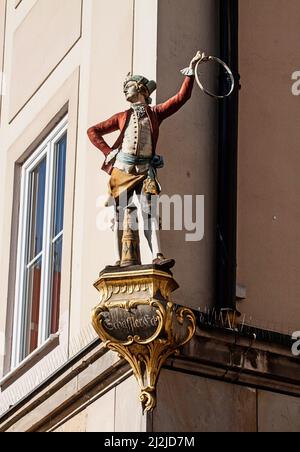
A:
146, 356
127, 305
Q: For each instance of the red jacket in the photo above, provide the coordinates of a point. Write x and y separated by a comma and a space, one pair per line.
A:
156, 115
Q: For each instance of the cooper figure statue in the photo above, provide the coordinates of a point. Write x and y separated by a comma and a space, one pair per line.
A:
132, 162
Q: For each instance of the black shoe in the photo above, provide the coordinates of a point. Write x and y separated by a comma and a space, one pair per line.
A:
161, 261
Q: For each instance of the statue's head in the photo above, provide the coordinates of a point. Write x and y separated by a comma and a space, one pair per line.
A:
138, 88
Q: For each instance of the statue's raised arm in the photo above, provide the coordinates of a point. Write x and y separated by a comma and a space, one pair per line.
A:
132, 161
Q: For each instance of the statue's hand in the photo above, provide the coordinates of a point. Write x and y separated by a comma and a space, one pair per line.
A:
200, 56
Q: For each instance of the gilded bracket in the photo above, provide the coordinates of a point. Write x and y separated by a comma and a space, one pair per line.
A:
137, 319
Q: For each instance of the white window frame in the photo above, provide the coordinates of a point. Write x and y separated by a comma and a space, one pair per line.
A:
47, 148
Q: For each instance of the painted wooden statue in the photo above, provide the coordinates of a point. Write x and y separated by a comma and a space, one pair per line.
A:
132, 162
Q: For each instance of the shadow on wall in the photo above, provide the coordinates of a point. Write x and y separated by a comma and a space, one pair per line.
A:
189, 140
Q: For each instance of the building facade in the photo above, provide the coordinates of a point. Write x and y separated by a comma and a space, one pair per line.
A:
63, 65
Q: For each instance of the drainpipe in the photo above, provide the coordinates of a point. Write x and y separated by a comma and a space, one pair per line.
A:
227, 163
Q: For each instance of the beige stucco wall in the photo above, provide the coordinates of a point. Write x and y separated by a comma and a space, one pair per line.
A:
107, 413
203, 405
20, 136
110, 59
278, 413
90, 77
35, 53
2, 32
188, 140
269, 184
102, 47
85, 66
2, 307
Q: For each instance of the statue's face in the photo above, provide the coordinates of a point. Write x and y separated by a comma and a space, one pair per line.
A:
131, 91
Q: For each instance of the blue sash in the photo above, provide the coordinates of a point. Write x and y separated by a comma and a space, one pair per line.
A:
156, 162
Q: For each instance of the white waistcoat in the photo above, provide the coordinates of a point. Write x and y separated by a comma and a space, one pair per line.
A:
137, 141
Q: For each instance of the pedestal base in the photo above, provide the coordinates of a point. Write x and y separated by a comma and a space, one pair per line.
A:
137, 319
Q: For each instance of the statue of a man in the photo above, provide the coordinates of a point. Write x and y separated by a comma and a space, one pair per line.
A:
132, 162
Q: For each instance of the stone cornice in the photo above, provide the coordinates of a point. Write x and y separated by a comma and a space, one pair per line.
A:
211, 354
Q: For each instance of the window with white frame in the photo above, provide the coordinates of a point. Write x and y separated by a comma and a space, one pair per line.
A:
40, 242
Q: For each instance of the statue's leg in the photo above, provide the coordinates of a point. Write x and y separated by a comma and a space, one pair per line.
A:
152, 234
156, 245
131, 243
121, 205
118, 227
151, 223
149, 206
118, 234
128, 237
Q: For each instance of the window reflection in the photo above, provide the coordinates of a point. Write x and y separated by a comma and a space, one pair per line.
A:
32, 308
37, 207
60, 185
56, 285
57, 238
41, 268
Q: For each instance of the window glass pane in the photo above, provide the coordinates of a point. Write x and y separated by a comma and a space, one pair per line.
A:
32, 308
36, 209
39, 285
59, 197
56, 285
